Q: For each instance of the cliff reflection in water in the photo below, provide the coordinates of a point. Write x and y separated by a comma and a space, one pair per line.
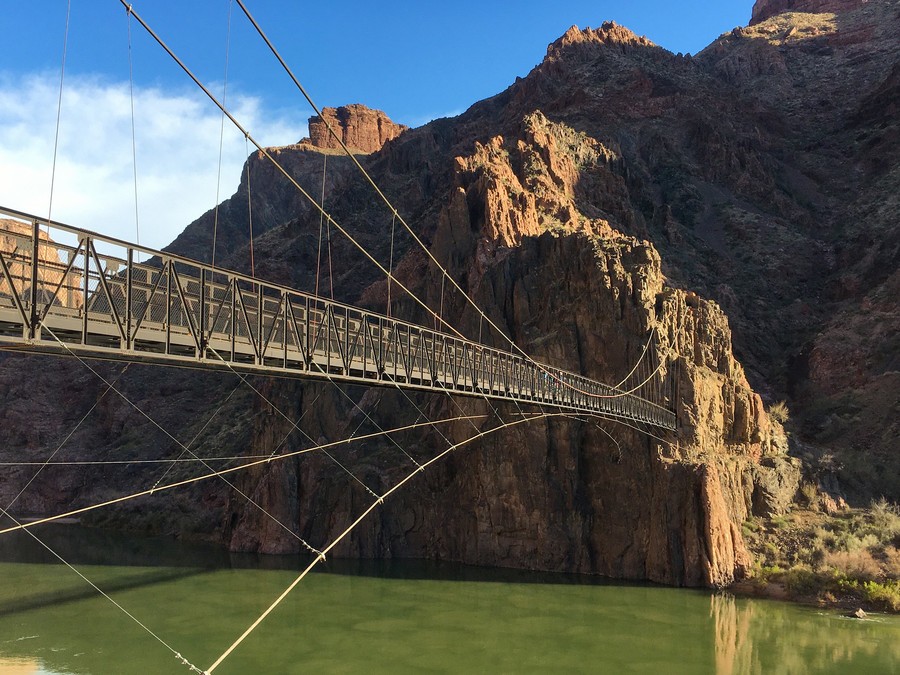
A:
767, 637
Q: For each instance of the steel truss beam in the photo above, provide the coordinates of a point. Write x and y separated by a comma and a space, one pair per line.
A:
91, 295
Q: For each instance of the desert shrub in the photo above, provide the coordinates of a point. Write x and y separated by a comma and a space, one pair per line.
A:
809, 495
886, 594
856, 564
885, 519
892, 562
801, 580
779, 412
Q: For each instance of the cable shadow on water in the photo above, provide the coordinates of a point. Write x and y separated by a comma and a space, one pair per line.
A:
76, 594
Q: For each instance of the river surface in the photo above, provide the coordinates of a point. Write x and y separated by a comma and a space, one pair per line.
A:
390, 618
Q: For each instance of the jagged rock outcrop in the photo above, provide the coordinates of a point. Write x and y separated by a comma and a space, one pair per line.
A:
15, 242
360, 128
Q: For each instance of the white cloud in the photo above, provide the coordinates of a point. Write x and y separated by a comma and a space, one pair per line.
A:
177, 140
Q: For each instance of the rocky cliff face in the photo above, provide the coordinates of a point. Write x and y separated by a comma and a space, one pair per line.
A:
360, 128
572, 289
617, 192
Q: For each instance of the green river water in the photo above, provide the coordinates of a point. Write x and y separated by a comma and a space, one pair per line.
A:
391, 618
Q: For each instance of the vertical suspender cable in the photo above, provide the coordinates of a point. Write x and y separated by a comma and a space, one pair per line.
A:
221, 135
321, 222
62, 77
250, 206
391, 265
137, 227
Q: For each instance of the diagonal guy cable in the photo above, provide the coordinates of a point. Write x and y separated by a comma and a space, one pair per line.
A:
179, 443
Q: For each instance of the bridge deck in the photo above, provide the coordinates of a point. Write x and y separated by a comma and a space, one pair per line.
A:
56, 297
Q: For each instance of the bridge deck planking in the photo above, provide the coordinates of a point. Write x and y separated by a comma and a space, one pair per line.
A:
173, 310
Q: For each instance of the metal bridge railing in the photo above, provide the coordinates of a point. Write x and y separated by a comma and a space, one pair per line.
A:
95, 296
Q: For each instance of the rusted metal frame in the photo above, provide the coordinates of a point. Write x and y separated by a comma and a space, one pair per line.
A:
341, 348
189, 320
35, 257
218, 311
169, 267
128, 282
377, 352
452, 362
415, 353
356, 341
274, 327
404, 349
296, 328
234, 294
201, 351
86, 288
46, 310
259, 323
15, 296
101, 277
250, 336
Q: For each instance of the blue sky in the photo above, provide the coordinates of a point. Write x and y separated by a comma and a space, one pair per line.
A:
414, 60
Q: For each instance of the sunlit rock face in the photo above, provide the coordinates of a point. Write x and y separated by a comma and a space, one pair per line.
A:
740, 206
360, 128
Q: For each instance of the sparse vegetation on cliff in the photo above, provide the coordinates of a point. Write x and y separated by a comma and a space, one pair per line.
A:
848, 559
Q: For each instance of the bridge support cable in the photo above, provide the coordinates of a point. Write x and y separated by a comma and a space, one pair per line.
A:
137, 226
49, 460
294, 424
202, 429
444, 272
353, 525
184, 661
221, 132
549, 373
224, 472
250, 208
234, 487
62, 78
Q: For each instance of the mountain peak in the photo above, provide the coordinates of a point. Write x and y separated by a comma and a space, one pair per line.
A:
609, 33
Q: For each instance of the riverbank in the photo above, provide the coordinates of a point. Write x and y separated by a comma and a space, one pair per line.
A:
846, 560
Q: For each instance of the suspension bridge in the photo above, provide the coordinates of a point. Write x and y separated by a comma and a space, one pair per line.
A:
59, 298
72, 292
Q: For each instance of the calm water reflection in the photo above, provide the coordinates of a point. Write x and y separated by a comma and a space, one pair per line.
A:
392, 618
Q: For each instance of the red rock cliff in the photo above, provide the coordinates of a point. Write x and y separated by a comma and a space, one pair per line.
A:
359, 127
